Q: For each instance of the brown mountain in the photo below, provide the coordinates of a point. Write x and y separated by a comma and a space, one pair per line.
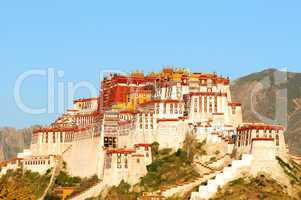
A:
272, 96
13, 141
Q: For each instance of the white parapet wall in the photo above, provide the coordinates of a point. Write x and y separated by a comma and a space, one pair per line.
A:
83, 157
228, 174
91, 192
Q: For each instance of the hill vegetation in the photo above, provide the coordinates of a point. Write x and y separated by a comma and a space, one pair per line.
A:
258, 188
263, 187
65, 180
167, 168
293, 171
23, 185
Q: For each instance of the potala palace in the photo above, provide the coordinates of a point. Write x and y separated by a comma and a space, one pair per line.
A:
111, 135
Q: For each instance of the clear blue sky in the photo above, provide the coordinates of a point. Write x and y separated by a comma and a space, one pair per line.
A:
232, 38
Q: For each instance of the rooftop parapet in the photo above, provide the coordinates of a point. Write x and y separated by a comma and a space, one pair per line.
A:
260, 126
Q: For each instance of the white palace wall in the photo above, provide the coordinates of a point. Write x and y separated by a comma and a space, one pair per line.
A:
171, 134
84, 157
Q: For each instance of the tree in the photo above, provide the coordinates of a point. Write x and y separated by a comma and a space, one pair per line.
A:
192, 146
155, 149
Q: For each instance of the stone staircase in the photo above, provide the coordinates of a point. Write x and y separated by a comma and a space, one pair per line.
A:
54, 173
181, 189
67, 149
227, 174
91, 192
210, 165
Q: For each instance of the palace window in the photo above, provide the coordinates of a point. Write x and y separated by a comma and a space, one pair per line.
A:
146, 122
176, 108
205, 104
157, 108
171, 108
277, 140
195, 105
140, 121
215, 104
108, 161
233, 110
164, 108
110, 142
119, 161
126, 161
210, 104
200, 104
46, 137
265, 133
250, 137
151, 122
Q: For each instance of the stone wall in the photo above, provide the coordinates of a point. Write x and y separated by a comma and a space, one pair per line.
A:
84, 157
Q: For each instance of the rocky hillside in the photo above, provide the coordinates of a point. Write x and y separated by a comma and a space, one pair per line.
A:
255, 188
13, 141
263, 98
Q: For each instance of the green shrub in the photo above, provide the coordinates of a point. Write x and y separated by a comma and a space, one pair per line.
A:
213, 158
65, 180
15, 184
167, 170
121, 192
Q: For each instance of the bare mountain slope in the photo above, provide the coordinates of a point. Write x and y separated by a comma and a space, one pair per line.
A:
13, 141
263, 97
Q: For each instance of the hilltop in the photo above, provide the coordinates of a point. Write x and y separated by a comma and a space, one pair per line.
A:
13, 140
170, 134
